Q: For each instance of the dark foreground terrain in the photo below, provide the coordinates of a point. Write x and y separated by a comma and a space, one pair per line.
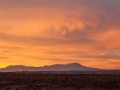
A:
32, 81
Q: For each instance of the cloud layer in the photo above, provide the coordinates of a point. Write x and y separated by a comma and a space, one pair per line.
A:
37, 32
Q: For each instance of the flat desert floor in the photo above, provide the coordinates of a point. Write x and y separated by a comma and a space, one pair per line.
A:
30, 81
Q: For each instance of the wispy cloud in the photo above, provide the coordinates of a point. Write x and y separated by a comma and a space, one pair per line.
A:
60, 29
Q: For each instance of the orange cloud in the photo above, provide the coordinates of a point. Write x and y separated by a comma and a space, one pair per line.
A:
37, 33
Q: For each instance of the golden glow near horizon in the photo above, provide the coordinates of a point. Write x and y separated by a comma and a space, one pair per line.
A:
46, 32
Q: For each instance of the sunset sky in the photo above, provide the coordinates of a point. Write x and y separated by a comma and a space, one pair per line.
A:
46, 32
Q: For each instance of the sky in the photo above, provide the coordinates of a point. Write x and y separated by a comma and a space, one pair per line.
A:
46, 32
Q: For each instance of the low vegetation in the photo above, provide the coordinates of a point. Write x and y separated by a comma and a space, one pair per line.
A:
33, 81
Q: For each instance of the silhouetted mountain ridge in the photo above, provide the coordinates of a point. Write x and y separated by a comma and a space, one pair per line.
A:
56, 67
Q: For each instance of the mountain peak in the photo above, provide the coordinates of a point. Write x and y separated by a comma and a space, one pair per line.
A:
77, 64
56, 67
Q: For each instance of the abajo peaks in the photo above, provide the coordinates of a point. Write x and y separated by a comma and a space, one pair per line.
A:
55, 67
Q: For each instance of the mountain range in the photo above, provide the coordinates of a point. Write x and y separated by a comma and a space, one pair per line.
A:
56, 67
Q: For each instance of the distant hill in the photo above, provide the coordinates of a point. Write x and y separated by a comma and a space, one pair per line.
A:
56, 67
